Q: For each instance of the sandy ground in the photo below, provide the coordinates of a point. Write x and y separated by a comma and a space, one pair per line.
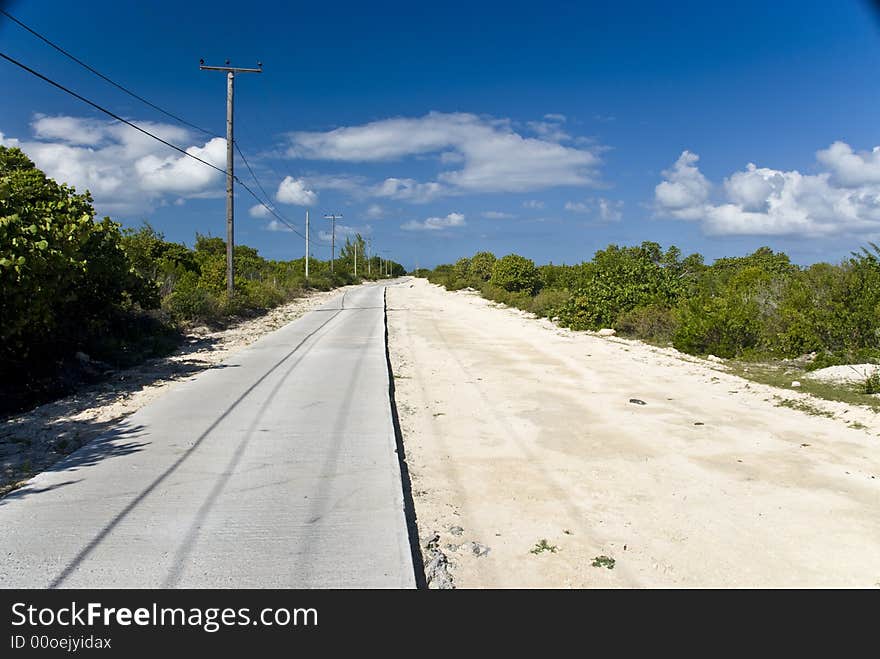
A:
517, 431
849, 374
33, 441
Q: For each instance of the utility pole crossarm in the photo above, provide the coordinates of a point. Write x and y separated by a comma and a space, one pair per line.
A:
233, 69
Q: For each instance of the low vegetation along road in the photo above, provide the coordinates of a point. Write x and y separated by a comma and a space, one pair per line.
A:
543, 457
275, 468
538, 457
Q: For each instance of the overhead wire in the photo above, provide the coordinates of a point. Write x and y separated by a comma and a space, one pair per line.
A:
104, 77
108, 112
152, 105
265, 194
177, 148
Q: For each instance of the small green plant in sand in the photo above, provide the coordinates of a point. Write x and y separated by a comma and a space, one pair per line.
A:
604, 561
543, 546
871, 384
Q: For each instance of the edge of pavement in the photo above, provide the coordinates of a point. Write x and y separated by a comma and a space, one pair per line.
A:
409, 509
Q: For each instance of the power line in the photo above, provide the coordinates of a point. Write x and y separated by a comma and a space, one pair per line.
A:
108, 112
126, 90
138, 97
103, 77
155, 137
266, 195
269, 208
248, 165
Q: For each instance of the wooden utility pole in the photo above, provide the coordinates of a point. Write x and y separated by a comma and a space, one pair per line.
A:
230, 176
332, 217
307, 245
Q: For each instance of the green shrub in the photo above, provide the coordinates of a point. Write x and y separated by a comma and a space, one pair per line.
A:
63, 276
759, 305
514, 273
566, 277
518, 299
653, 323
871, 384
548, 302
481, 264
191, 302
442, 274
260, 295
621, 279
716, 325
157, 260
69, 282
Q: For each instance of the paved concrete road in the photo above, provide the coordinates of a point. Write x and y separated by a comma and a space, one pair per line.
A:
276, 469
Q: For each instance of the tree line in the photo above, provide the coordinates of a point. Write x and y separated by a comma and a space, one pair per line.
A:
756, 306
72, 285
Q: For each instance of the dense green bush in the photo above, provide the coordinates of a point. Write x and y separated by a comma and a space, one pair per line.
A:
621, 279
442, 275
191, 302
63, 275
519, 299
480, 268
461, 269
514, 273
564, 277
193, 281
70, 283
760, 304
654, 323
547, 302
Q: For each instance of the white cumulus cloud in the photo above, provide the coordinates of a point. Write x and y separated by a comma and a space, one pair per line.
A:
435, 223
259, 211
549, 130
851, 169
684, 190
606, 210
766, 201
127, 172
408, 189
375, 211
275, 225
610, 211
294, 191
178, 174
70, 130
481, 154
344, 231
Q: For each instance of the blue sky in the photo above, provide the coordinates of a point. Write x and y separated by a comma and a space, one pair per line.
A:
548, 129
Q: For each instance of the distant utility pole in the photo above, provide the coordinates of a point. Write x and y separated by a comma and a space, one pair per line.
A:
307, 245
230, 224
369, 249
356, 244
332, 217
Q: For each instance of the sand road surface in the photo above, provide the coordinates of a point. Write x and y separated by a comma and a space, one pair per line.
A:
518, 432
